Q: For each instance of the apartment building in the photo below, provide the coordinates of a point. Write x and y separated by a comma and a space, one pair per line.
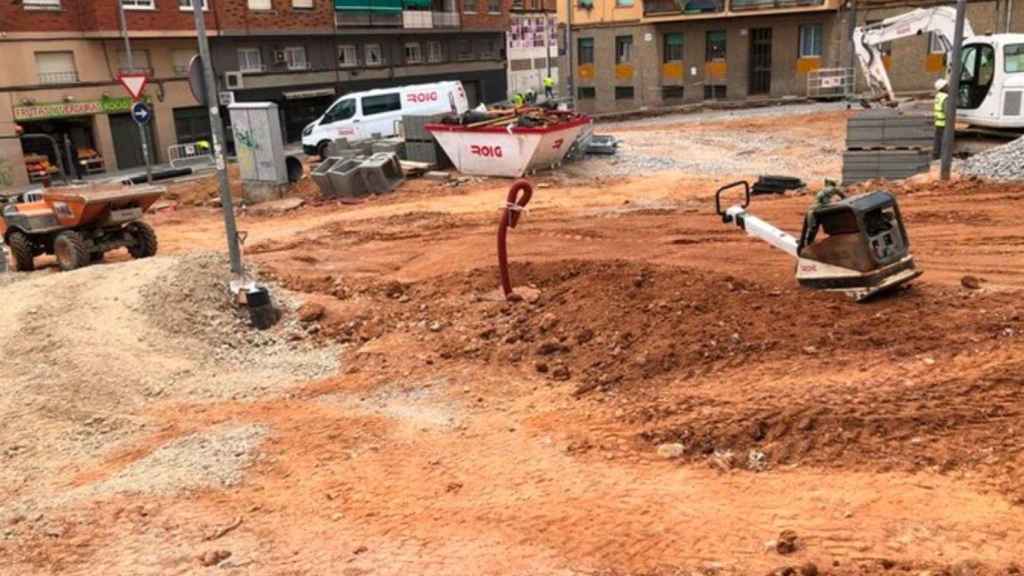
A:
63, 58
636, 54
533, 45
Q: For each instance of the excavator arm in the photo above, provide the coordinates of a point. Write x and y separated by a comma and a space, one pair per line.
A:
867, 40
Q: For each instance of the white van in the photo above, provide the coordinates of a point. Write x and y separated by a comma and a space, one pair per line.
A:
361, 115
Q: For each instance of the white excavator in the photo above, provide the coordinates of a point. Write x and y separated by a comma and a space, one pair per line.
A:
992, 75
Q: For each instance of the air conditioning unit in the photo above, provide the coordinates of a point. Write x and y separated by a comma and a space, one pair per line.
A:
233, 80
279, 57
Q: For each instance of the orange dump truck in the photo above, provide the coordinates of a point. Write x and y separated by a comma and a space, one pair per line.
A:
79, 224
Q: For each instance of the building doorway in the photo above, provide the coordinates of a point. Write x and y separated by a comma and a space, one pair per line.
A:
760, 61
128, 142
76, 153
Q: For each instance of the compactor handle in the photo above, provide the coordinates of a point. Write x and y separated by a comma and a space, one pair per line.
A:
718, 197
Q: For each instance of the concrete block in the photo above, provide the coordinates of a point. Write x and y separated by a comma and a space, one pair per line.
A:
381, 173
322, 179
413, 126
421, 152
437, 175
387, 145
346, 179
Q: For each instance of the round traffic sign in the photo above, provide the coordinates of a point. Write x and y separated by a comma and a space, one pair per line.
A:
141, 113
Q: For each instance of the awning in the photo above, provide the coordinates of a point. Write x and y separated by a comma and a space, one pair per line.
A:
421, 4
298, 95
369, 5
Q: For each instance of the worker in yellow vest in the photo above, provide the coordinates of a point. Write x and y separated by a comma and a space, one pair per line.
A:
518, 100
939, 109
549, 87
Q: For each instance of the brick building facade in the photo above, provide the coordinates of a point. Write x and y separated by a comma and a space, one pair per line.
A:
636, 54
62, 57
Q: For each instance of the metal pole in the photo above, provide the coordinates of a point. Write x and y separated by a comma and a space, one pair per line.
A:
547, 41
949, 135
217, 128
131, 68
571, 84
851, 14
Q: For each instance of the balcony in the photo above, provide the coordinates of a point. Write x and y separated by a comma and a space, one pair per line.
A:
688, 7
533, 6
745, 5
367, 19
446, 19
58, 77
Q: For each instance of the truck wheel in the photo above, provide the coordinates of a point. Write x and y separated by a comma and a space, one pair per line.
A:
21, 249
69, 247
144, 237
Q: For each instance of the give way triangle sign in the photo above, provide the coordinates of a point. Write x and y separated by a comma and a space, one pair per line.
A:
133, 83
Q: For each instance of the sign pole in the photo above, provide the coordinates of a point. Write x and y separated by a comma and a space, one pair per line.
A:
953, 87
143, 134
217, 128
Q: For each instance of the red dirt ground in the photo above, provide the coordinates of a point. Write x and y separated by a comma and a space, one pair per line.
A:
472, 436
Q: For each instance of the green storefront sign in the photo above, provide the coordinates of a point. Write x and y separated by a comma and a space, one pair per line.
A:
71, 109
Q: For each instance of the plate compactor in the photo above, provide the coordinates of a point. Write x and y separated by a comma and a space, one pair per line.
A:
856, 245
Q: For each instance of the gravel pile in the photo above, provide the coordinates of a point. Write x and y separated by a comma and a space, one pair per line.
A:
193, 301
1004, 162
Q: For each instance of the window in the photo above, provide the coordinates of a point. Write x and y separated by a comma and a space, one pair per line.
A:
810, 41
41, 4
463, 49
259, 5
250, 60
302, 4
936, 43
413, 54
138, 4
623, 49
714, 92
623, 92
374, 55
56, 67
623, 3
381, 104
435, 51
714, 49
295, 57
347, 56
187, 4
341, 111
140, 62
673, 49
672, 92
586, 93
490, 49
585, 52
1013, 58
494, 6
182, 59
469, 6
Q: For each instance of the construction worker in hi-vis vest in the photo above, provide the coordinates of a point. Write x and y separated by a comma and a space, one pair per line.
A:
939, 109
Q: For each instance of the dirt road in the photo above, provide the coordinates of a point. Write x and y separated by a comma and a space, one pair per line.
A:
666, 401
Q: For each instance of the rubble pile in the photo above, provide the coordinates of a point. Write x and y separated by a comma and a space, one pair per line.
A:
1004, 162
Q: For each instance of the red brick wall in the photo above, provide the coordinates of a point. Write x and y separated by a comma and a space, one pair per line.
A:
15, 18
482, 19
167, 16
235, 15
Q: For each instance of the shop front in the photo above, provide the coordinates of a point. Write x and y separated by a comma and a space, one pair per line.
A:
78, 138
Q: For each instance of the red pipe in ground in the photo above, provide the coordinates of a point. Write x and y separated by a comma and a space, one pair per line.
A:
509, 218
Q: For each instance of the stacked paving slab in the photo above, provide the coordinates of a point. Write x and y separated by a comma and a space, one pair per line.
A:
888, 144
420, 145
